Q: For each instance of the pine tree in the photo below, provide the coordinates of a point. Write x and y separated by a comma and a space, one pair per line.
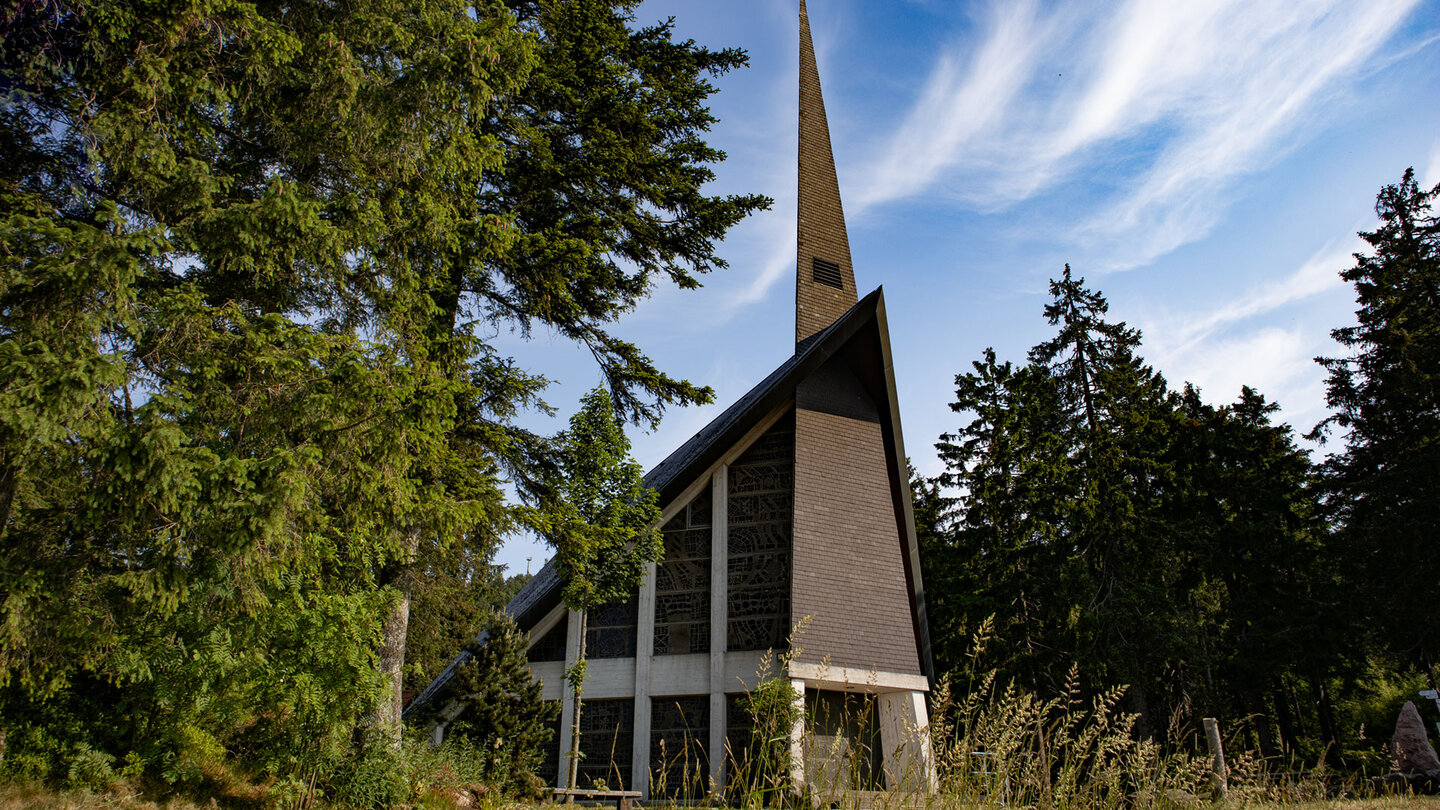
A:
1259, 577
451, 597
1108, 523
495, 705
1004, 549
1118, 422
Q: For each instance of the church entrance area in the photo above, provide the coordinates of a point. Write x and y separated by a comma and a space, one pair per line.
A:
842, 747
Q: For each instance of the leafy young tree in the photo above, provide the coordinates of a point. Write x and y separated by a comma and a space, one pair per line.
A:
252, 252
1384, 484
603, 526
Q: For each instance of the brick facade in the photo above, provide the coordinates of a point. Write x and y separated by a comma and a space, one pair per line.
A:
849, 576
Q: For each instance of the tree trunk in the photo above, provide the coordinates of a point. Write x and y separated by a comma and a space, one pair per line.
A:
1140, 706
1259, 727
579, 687
1283, 716
391, 662
9, 480
390, 656
1328, 731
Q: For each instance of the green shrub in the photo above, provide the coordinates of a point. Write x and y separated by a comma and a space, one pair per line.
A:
31, 754
1367, 714
374, 777
91, 769
759, 773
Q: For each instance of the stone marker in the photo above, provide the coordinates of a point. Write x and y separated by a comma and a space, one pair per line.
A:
1416, 766
1413, 752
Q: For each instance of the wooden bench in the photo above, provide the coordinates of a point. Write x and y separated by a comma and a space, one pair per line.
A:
622, 798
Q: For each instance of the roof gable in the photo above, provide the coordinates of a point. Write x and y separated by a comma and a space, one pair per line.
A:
861, 337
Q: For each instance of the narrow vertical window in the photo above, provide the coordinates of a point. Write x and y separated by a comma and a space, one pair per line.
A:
607, 742
679, 734
762, 492
682, 581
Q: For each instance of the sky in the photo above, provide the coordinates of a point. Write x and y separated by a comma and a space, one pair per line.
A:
1205, 164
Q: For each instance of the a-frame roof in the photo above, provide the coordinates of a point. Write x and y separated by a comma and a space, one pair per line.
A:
697, 455
693, 458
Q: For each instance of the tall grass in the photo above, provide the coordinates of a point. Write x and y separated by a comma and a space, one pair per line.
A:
998, 745
1003, 746
992, 744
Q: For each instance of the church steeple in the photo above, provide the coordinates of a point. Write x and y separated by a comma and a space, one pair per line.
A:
824, 279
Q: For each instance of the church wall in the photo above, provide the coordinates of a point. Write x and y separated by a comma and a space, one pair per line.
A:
848, 573
836, 559
551, 675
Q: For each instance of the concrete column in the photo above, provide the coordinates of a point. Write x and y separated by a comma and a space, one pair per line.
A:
905, 739
644, 650
797, 734
719, 604
567, 698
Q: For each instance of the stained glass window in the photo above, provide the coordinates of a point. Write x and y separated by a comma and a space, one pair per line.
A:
551, 646
610, 630
549, 768
682, 581
607, 732
679, 734
759, 515
739, 729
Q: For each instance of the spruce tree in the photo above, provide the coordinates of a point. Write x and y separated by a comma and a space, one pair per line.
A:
255, 257
1384, 482
1111, 524
495, 705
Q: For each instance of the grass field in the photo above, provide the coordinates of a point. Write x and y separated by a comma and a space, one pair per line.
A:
24, 797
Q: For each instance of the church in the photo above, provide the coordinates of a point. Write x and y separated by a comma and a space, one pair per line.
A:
792, 508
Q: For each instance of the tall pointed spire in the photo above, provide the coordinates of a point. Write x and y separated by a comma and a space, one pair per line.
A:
824, 279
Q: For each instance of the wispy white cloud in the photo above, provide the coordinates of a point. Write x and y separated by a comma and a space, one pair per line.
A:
1177, 335
1173, 102
1268, 358
959, 102
1431, 175
774, 260
1240, 342
1237, 113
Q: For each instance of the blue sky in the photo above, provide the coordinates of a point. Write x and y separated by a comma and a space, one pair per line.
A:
1205, 164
